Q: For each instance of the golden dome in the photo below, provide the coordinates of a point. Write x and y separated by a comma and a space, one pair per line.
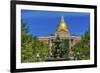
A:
62, 26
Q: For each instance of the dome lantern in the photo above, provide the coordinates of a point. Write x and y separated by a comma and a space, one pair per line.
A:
62, 26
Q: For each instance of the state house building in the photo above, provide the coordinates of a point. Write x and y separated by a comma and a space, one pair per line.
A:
63, 32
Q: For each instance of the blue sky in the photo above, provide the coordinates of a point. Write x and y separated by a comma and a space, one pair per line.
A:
44, 23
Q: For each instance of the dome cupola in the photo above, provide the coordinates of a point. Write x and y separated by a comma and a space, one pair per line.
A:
62, 26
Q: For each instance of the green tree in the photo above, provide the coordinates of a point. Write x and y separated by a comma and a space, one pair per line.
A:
61, 45
56, 48
40, 50
32, 50
82, 48
65, 48
26, 44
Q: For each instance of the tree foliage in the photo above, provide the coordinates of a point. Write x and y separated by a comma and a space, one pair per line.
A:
62, 45
32, 50
82, 48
